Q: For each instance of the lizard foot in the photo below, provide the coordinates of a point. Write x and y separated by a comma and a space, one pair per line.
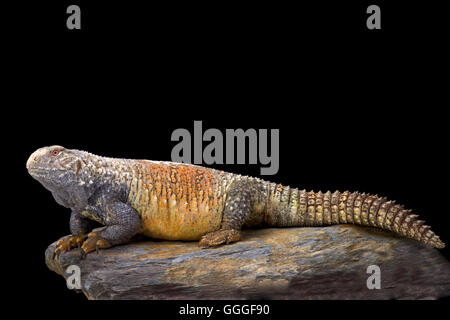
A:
94, 242
219, 237
68, 242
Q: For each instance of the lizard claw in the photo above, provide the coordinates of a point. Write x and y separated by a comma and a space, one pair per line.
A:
67, 243
94, 242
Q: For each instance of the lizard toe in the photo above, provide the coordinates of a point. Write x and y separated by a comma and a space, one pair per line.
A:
93, 243
67, 243
216, 238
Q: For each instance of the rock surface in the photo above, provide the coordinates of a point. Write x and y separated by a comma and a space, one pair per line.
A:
287, 263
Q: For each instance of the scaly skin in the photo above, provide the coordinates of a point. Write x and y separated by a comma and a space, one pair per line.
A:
175, 201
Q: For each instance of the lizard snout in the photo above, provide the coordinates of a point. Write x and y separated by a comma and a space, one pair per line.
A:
33, 160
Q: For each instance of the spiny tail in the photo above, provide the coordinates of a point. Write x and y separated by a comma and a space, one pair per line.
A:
291, 207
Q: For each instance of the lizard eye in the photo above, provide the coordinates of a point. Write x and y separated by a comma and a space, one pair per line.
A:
55, 153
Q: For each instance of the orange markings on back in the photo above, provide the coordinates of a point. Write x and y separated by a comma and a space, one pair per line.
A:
181, 179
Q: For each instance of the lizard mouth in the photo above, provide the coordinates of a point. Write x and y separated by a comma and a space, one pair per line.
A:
36, 171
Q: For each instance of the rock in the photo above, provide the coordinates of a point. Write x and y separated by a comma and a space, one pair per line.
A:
275, 263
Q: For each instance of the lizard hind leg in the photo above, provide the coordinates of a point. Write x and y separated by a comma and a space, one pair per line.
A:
235, 213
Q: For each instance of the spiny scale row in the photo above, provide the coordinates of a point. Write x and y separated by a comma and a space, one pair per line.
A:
317, 208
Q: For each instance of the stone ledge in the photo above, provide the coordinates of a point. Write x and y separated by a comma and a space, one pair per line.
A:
275, 263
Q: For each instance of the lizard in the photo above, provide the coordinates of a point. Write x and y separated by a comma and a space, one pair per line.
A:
177, 201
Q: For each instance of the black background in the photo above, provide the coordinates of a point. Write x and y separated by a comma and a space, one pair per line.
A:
357, 109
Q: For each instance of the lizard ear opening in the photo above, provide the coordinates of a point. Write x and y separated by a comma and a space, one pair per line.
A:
78, 168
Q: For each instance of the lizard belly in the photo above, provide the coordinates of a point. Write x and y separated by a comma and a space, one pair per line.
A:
173, 221
175, 202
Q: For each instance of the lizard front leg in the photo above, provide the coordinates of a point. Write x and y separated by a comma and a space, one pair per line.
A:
121, 221
79, 228
236, 211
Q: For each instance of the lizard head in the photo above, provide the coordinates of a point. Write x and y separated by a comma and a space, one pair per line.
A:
55, 167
